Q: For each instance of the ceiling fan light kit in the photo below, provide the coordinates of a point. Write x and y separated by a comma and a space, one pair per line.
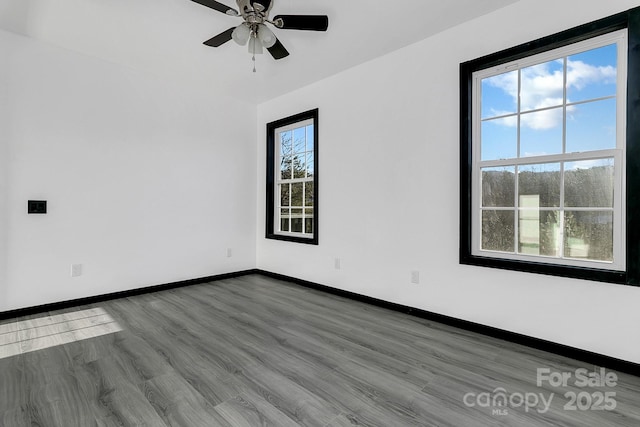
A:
254, 31
266, 36
241, 34
255, 47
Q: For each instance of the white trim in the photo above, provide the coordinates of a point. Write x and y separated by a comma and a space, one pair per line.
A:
292, 126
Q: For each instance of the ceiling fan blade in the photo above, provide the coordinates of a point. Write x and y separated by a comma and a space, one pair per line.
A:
302, 22
220, 39
278, 51
218, 6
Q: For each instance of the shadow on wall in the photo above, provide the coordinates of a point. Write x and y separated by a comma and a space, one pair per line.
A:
15, 15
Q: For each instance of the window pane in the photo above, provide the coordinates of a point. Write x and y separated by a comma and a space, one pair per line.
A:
296, 220
309, 131
299, 168
499, 139
297, 193
498, 187
310, 165
308, 194
308, 221
500, 95
589, 235
284, 194
591, 126
299, 140
497, 230
285, 143
541, 85
541, 133
539, 185
592, 74
539, 232
284, 219
285, 167
589, 183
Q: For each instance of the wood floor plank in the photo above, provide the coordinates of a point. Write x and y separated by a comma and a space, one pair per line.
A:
184, 322
10, 349
298, 403
178, 403
249, 409
16, 417
115, 394
13, 393
9, 337
204, 374
20, 417
91, 349
58, 402
297, 362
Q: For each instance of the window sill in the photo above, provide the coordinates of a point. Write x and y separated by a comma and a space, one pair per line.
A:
574, 272
295, 239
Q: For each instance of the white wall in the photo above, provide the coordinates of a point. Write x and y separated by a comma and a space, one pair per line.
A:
389, 188
148, 182
4, 135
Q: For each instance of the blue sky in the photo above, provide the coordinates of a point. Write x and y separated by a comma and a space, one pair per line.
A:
590, 126
299, 143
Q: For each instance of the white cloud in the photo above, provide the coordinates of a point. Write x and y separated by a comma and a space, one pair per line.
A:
543, 120
579, 74
588, 164
541, 87
508, 82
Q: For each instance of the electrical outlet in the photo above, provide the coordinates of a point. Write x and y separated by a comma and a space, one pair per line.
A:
229, 253
336, 263
415, 277
76, 270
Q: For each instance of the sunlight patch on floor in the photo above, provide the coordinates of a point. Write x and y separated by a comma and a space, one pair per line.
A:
44, 332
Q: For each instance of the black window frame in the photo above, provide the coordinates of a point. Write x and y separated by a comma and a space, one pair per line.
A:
270, 177
629, 20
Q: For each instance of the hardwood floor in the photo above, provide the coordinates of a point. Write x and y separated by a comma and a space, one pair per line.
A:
255, 351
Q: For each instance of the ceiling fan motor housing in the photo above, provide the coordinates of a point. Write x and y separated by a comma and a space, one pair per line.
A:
257, 9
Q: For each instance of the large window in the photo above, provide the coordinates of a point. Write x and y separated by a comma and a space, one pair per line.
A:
292, 190
545, 149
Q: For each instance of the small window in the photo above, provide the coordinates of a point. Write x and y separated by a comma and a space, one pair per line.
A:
292, 178
544, 155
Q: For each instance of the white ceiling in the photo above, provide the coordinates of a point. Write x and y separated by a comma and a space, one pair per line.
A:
165, 36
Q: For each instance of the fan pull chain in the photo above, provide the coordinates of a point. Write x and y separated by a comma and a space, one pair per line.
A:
253, 58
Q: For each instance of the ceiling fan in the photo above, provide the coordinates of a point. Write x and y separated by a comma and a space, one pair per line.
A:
254, 30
